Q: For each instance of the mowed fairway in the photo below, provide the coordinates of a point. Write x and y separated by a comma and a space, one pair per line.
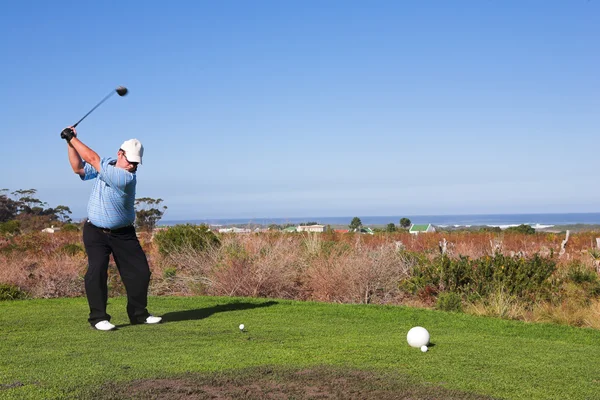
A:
47, 351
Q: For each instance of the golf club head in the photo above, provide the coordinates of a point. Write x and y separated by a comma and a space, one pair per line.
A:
121, 91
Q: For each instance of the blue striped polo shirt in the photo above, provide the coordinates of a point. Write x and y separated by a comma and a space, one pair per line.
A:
111, 203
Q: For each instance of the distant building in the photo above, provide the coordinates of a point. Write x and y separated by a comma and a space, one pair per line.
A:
52, 229
234, 230
341, 230
290, 229
364, 229
310, 228
416, 229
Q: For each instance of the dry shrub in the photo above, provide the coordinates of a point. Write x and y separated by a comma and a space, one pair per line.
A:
184, 272
327, 279
305, 267
313, 243
474, 245
422, 243
569, 313
574, 302
266, 265
16, 270
59, 275
357, 275
592, 319
257, 266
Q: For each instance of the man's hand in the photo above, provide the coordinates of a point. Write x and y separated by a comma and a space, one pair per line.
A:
68, 133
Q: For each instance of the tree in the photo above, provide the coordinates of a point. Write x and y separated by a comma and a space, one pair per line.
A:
149, 213
391, 227
8, 209
61, 213
29, 204
405, 223
31, 212
355, 224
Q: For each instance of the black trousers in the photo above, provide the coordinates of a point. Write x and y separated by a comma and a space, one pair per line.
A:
132, 265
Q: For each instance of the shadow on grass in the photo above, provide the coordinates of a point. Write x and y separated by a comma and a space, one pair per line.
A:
201, 313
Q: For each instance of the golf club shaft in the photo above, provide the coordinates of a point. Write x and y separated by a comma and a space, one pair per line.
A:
97, 105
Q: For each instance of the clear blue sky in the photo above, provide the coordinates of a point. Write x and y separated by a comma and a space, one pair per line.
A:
311, 108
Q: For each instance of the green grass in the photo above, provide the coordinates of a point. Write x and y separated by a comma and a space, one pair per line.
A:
47, 349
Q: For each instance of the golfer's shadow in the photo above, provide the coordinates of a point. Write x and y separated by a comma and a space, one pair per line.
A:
201, 313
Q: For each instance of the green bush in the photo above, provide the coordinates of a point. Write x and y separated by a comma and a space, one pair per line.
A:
585, 278
449, 301
494, 229
526, 229
236, 251
518, 276
579, 274
178, 237
11, 292
72, 249
169, 273
69, 228
10, 227
9, 248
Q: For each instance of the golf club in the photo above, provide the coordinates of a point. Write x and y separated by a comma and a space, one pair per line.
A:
121, 91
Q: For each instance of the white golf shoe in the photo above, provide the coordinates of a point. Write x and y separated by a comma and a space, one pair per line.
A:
153, 320
104, 326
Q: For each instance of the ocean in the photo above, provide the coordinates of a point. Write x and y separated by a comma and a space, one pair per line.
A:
538, 221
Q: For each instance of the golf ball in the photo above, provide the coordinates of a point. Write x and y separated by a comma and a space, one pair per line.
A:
241, 327
417, 337
424, 349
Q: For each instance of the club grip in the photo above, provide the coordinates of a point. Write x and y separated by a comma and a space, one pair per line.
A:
67, 134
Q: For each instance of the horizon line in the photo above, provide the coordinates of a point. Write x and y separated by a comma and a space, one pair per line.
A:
385, 216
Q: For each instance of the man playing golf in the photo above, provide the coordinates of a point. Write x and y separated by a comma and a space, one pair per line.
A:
110, 230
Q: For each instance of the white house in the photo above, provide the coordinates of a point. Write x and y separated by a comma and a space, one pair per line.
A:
365, 229
310, 228
234, 230
52, 229
416, 229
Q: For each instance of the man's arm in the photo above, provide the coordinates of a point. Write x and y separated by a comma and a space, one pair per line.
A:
79, 151
75, 160
87, 154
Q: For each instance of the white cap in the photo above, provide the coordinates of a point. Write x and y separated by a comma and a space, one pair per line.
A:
133, 150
